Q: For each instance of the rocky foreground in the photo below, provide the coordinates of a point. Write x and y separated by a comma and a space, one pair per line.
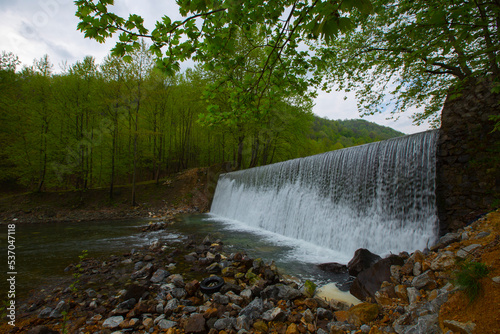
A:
157, 290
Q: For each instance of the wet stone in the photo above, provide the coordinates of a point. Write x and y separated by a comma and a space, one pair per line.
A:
166, 324
159, 276
45, 313
113, 322
224, 324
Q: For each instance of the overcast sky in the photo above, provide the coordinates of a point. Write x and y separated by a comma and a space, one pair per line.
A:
32, 28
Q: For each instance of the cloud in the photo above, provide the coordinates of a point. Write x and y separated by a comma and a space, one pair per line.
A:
334, 106
33, 28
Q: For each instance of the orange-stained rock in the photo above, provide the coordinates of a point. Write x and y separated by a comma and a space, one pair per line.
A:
292, 329
341, 315
362, 313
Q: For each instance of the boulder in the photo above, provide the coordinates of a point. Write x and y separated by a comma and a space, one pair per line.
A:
362, 259
369, 280
362, 313
333, 267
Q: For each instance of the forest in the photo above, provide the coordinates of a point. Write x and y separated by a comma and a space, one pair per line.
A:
99, 125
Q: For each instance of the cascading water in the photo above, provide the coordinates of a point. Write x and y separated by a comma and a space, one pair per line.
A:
379, 196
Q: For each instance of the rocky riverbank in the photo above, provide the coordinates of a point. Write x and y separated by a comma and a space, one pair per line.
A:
157, 290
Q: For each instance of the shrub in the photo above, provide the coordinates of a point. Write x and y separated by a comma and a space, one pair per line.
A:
468, 276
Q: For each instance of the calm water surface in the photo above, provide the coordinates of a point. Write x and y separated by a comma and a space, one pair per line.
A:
43, 251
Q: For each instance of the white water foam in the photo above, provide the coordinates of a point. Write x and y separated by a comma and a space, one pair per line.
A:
379, 196
300, 250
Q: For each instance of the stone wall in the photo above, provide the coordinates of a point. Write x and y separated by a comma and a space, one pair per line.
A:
468, 177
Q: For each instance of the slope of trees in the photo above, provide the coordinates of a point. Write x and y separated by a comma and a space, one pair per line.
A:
99, 125
328, 135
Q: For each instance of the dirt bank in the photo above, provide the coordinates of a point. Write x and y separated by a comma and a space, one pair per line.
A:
188, 191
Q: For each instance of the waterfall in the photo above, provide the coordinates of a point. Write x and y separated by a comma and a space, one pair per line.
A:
379, 196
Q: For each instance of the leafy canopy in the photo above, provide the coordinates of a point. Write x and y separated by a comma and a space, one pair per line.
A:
415, 51
269, 33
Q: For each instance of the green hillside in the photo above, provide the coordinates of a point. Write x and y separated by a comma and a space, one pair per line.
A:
328, 135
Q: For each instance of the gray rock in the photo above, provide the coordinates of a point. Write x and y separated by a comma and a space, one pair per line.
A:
234, 298
308, 316
402, 323
321, 331
225, 324
160, 308
288, 293
166, 324
246, 294
45, 313
396, 273
446, 239
413, 295
417, 269
337, 326
113, 322
159, 318
277, 314
253, 310
176, 280
496, 279
439, 301
220, 298
172, 305
464, 252
60, 308
423, 280
159, 276
243, 322
427, 324
443, 261
190, 309
127, 305
138, 265
460, 327
91, 293
324, 314
483, 234
365, 328
179, 293
143, 272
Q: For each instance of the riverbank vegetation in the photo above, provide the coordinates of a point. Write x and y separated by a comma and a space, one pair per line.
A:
124, 122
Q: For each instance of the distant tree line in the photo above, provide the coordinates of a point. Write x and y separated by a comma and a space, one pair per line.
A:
124, 121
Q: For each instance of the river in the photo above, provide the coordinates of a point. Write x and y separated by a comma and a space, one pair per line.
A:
43, 251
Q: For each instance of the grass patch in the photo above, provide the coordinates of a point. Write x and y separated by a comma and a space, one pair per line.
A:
468, 278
